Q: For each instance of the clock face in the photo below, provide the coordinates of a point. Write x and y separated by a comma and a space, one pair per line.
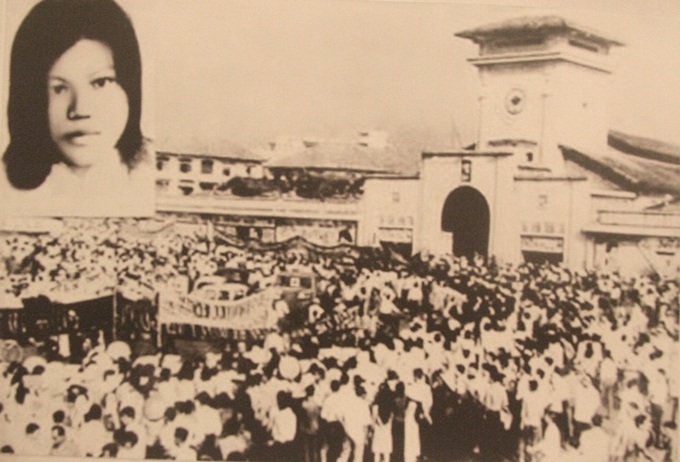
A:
515, 100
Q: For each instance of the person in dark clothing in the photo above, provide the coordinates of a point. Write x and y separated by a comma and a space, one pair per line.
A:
398, 431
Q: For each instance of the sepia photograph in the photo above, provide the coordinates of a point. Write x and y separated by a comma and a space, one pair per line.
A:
339, 230
74, 144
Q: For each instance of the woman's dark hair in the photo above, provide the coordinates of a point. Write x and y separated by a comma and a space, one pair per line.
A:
50, 29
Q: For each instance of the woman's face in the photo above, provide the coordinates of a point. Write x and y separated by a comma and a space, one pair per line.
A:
87, 107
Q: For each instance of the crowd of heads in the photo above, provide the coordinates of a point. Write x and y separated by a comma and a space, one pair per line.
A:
432, 357
82, 255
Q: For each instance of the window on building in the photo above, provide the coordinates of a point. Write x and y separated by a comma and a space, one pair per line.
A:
249, 170
185, 166
226, 171
530, 156
161, 162
206, 166
396, 198
542, 201
466, 170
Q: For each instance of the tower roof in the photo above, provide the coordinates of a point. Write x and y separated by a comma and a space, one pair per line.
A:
534, 25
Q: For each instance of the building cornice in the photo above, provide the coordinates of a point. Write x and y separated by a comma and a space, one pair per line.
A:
538, 56
627, 230
550, 178
281, 208
430, 154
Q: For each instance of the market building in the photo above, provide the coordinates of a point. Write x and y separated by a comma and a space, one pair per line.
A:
546, 180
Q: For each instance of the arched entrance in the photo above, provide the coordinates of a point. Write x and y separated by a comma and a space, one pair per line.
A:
466, 215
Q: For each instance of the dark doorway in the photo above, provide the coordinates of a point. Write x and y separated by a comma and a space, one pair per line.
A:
466, 215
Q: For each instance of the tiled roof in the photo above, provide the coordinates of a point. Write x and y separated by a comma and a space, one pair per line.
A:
533, 24
644, 147
350, 157
207, 148
631, 172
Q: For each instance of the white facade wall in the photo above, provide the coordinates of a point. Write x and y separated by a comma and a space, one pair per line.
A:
579, 103
389, 209
565, 101
496, 123
550, 211
441, 175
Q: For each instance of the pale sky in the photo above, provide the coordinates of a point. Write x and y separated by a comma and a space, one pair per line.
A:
247, 71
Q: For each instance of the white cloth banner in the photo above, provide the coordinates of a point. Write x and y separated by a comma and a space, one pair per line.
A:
244, 314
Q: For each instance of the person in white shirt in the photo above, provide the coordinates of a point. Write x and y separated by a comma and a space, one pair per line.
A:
130, 423
283, 429
630, 440
560, 395
594, 443
356, 420
608, 374
274, 341
35, 442
128, 445
182, 449
549, 449
586, 404
534, 403
62, 446
93, 433
495, 400
381, 442
658, 397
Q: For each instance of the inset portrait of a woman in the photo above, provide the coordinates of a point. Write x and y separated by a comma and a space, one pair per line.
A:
74, 115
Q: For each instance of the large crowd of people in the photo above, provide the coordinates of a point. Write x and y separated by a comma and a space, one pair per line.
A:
436, 358
81, 256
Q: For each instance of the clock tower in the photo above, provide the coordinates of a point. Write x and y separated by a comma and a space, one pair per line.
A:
544, 84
